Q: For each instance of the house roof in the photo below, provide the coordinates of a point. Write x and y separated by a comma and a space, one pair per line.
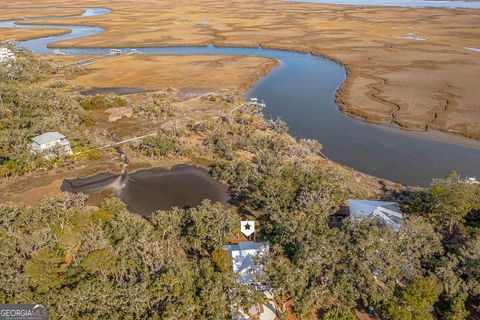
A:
385, 212
6, 52
48, 137
245, 259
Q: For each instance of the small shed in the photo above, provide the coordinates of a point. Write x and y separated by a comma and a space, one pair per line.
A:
382, 212
51, 141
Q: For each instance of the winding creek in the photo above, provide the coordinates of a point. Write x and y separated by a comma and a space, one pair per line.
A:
301, 90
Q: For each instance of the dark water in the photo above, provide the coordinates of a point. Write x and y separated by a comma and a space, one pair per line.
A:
149, 190
302, 92
304, 96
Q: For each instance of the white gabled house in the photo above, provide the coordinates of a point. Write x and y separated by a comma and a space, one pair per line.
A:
246, 260
6, 54
248, 266
50, 142
382, 212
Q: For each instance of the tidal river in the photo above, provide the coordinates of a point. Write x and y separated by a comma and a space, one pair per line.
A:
301, 91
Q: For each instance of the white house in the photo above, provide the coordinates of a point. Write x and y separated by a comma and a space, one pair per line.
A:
382, 212
6, 54
248, 265
51, 141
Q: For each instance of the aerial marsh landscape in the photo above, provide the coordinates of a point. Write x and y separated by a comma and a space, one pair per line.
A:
372, 42
240, 159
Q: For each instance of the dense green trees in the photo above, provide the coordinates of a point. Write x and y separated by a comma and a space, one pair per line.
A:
413, 302
339, 314
27, 67
159, 145
30, 110
451, 200
108, 263
102, 102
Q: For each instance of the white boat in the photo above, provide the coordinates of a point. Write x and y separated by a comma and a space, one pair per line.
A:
116, 52
254, 101
472, 180
58, 52
135, 51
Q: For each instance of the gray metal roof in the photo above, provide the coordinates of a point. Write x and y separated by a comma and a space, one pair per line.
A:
385, 212
244, 260
48, 137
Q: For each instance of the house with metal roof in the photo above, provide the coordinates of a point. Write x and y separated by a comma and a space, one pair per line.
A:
247, 263
6, 54
382, 212
246, 259
51, 141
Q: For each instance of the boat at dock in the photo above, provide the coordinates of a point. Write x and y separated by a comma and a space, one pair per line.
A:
254, 101
116, 52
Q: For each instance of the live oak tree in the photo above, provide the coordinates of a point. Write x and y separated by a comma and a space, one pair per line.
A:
107, 262
413, 302
451, 200
338, 313
447, 204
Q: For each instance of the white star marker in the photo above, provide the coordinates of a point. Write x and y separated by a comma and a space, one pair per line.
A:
247, 227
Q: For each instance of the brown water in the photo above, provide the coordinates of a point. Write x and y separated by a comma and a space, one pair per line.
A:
149, 190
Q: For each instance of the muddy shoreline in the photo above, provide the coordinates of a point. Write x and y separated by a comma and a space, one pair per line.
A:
345, 105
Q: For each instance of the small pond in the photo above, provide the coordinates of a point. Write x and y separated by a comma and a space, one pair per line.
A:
149, 190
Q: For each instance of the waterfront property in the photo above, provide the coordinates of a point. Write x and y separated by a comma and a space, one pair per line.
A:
246, 259
248, 266
315, 113
381, 212
51, 142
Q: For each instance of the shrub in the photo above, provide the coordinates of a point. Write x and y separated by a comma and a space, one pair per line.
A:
158, 146
102, 102
86, 152
222, 260
339, 313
